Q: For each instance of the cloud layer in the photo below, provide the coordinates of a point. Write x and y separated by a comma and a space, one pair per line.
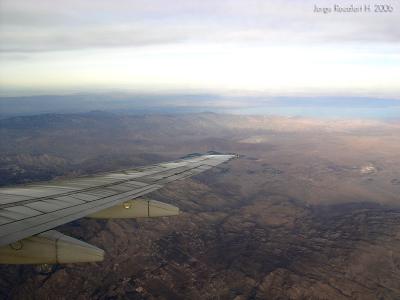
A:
43, 25
279, 47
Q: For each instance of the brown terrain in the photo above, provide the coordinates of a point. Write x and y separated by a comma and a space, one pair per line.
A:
310, 210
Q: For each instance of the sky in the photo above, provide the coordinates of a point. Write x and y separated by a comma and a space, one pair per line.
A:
281, 48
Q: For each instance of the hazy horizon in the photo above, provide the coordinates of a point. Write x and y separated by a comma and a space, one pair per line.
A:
328, 107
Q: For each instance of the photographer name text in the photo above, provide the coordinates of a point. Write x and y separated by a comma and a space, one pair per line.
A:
354, 9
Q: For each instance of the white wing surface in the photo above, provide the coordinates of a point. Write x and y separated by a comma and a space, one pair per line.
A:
33, 209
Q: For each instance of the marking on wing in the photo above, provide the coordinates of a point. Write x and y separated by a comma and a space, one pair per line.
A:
6, 199
19, 212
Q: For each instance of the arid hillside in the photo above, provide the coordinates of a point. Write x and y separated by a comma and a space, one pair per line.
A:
309, 211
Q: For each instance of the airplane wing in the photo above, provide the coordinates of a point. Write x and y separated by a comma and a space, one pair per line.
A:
28, 213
